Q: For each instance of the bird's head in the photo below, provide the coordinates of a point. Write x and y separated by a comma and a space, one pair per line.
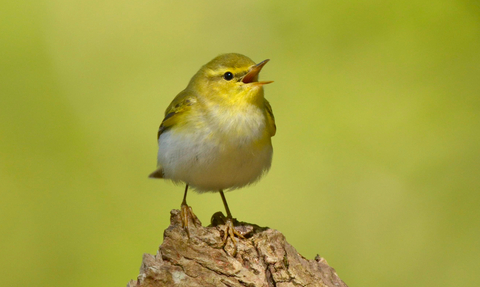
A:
230, 78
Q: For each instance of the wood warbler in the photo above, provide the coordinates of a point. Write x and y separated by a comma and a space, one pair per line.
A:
216, 133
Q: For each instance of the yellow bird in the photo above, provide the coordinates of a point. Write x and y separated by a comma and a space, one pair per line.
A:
216, 134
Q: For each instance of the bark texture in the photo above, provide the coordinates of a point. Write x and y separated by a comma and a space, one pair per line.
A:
264, 258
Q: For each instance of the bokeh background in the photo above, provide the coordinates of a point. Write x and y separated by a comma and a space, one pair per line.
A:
377, 153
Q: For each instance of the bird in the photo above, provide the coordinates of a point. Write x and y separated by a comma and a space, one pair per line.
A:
216, 133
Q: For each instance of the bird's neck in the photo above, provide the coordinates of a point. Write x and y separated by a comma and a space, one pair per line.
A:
246, 121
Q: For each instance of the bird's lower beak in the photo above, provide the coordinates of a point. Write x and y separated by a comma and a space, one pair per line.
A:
252, 75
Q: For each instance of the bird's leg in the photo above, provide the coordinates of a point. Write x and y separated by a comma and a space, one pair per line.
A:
186, 213
229, 215
230, 230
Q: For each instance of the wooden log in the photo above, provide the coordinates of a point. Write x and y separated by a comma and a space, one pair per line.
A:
264, 258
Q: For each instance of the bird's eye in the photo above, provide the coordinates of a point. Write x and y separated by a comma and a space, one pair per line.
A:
228, 76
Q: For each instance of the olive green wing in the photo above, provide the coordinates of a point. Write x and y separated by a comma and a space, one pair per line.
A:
173, 114
272, 128
182, 103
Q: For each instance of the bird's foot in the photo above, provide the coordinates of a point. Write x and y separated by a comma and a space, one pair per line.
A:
231, 232
188, 217
231, 228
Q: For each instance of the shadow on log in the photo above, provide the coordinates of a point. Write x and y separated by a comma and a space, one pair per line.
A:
264, 258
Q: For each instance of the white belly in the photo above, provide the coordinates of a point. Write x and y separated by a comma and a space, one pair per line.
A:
207, 164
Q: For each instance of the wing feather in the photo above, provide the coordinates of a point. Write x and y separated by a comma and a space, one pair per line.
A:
272, 128
180, 104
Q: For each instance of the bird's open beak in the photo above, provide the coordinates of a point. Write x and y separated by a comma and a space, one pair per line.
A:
252, 76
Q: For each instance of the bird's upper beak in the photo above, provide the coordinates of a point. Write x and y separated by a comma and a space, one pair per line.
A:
252, 74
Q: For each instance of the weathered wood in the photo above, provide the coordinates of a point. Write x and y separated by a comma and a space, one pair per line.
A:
264, 258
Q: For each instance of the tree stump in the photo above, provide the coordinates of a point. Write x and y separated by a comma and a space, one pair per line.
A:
200, 258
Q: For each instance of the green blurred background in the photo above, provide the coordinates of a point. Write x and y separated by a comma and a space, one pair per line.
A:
377, 152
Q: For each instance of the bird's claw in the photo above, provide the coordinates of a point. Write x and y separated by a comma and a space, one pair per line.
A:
231, 232
187, 216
